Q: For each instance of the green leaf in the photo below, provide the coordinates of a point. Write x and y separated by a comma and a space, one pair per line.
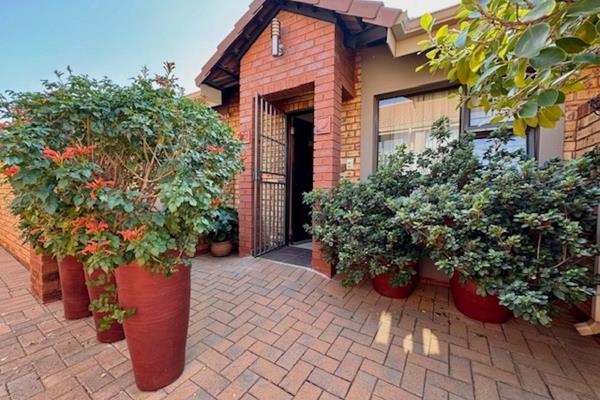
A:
432, 53
548, 97
462, 72
461, 39
477, 60
532, 41
519, 127
427, 21
587, 58
442, 32
520, 75
587, 32
78, 200
571, 44
582, 8
548, 116
489, 71
547, 57
544, 8
528, 110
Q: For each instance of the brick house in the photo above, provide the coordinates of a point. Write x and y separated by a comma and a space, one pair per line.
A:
320, 90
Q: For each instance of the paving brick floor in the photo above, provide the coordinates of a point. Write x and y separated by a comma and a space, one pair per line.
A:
267, 331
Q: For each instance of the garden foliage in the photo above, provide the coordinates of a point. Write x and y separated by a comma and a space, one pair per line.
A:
517, 58
517, 230
116, 174
354, 223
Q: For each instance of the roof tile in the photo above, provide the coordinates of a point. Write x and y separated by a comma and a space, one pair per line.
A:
365, 9
386, 17
336, 5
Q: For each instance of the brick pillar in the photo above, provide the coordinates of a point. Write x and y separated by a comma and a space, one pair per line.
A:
246, 182
45, 283
328, 143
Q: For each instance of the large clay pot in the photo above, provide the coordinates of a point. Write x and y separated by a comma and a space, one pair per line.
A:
115, 333
221, 249
76, 301
382, 285
157, 333
480, 308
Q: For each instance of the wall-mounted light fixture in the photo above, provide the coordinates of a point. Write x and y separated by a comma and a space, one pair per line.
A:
276, 46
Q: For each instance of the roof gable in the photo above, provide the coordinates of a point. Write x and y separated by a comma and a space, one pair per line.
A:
363, 23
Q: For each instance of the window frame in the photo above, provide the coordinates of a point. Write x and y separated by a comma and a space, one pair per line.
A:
482, 131
421, 90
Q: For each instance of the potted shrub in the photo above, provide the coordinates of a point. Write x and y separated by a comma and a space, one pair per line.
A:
42, 193
43, 147
221, 236
353, 223
163, 163
159, 163
516, 237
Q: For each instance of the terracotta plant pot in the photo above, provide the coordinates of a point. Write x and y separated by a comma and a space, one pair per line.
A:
221, 249
157, 333
76, 302
382, 285
480, 308
115, 333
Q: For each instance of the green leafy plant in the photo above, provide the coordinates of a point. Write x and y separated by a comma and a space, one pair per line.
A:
517, 230
116, 174
354, 224
517, 58
224, 226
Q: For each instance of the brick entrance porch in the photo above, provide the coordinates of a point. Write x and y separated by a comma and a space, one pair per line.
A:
316, 68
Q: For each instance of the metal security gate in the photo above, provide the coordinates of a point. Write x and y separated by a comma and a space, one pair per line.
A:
270, 177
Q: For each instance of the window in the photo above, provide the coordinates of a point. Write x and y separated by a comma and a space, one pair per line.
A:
408, 119
479, 122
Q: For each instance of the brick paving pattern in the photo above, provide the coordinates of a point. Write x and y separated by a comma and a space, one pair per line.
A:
260, 330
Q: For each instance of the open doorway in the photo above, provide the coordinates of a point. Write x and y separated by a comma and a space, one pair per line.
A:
299, 181
301, 175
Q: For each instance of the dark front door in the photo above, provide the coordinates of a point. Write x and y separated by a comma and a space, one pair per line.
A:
301, 176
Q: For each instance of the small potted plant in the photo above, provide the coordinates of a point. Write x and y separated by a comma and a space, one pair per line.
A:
221, 235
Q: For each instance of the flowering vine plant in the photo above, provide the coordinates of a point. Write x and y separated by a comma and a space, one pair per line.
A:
116, 174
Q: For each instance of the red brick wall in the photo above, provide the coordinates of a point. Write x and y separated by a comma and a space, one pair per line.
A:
44, 278
351, 127
314, 55
587, 134
45, 283
230, 112
10, 236
581, 135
